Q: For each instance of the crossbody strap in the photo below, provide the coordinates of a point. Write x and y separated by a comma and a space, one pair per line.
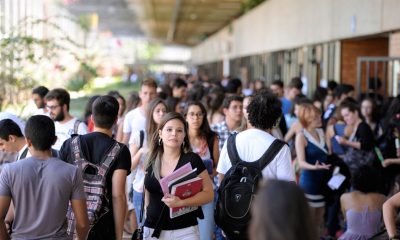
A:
141, 138
142, 208
23, 154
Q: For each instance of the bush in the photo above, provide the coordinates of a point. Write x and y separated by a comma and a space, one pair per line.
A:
76, 83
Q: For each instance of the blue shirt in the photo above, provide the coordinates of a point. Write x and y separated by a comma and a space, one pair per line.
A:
286, 105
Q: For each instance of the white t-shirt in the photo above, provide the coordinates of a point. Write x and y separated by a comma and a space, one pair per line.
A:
65, 130
140, 174
251, 145
134, 121
40, 111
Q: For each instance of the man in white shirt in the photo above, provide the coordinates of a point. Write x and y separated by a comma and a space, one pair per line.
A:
38, 97
264, 112
135, 119
57, 102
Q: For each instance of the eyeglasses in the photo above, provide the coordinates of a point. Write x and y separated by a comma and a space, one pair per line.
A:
52, 107
192, 114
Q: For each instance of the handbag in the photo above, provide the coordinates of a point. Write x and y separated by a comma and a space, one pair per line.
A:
138, 233
354, 158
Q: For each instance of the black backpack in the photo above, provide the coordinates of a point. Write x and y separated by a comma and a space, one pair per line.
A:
238, 188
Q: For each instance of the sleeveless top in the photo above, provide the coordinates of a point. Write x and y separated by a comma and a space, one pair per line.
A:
362, 225
204, 153
311, 180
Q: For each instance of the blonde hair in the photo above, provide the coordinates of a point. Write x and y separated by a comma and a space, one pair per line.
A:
306, 113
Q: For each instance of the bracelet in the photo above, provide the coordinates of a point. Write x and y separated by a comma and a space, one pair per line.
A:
396, 237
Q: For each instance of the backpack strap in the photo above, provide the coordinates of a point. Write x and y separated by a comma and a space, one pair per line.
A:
109, 158
263, 161
76, 149
141, 136
232, 151
76, 126
270, 154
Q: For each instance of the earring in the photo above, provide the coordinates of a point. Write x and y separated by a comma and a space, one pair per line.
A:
159, 141
183, 144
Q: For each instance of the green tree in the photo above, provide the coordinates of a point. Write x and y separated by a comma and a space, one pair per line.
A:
22, 56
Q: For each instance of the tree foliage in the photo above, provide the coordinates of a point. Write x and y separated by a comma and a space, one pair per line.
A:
250, 4
25, 59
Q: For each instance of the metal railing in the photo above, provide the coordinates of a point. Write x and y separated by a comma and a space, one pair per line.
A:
386, 69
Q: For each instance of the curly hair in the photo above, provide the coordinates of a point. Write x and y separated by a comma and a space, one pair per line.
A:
264, 110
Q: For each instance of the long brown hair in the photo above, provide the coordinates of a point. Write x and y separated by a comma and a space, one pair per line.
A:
204, 130
281, 212
151, 125
156, 150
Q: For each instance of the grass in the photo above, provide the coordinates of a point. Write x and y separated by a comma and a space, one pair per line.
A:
99, 87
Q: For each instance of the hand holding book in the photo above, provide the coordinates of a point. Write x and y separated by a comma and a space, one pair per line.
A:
183, 183
172, 201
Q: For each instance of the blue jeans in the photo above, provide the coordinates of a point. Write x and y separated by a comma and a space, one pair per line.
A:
137, 203
217, 230
207, 225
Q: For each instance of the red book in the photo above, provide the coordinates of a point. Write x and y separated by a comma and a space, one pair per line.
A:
185, 190
174, 175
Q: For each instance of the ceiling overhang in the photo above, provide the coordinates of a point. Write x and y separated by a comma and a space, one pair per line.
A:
186, 22
183, 22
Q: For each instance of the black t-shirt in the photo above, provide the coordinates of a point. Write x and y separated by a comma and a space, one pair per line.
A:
156, 206
95, 146
365, 136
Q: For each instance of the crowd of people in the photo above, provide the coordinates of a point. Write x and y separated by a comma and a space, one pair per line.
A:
336, 177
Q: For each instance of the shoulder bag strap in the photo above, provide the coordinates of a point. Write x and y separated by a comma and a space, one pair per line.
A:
23, 154
142, 209
270, 154
232, 151
141, 135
